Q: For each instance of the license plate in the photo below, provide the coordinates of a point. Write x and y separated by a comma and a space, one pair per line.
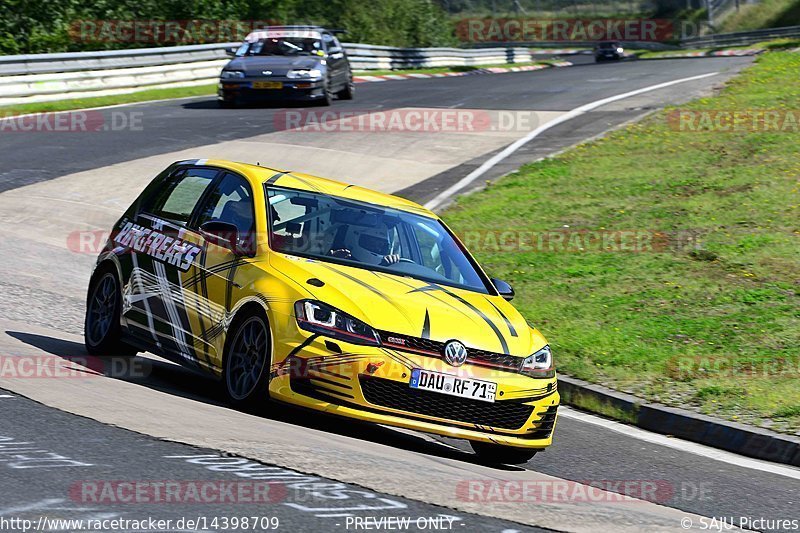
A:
474, 389
267, 85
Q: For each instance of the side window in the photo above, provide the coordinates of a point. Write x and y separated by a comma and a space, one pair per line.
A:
328, 40
231, 201
180, 194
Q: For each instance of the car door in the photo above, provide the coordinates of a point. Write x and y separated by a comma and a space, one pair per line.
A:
213, 287
162, 251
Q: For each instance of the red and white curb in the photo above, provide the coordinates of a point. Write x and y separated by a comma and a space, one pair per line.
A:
488, 70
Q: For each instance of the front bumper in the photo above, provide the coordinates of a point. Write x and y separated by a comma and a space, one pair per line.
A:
244, 90
372, 384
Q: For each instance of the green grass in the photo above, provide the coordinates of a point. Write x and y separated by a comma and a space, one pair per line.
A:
99, 101
764, 14
714, 324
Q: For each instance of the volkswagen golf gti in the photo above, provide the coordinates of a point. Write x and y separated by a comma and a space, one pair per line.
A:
298, 289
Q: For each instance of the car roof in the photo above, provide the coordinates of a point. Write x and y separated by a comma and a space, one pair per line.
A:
310, 32
257, 175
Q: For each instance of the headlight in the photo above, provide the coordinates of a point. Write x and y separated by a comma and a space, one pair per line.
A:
304, 74
321, 318
232, 74
540, 364
619, 50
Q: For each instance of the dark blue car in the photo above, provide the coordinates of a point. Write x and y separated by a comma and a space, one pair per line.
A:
287, 63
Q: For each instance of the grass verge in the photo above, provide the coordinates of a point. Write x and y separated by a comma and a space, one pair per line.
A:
710, 318
100, 101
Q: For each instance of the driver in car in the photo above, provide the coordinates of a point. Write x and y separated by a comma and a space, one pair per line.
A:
371, 247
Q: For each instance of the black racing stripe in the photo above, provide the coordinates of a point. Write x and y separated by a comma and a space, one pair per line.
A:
275, 178
399, 358
204, 272
229, 286
427, 290
203, 293
368, 287
179, 303
508, 322
304, 344
480, 313
426, 326
306, 183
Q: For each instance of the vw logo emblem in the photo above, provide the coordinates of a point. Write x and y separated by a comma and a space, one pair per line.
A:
266, 72
455, 353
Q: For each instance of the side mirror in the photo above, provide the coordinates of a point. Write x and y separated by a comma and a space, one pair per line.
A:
503, 288
222, 234
231, 51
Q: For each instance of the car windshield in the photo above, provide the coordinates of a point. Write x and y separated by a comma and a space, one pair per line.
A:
337, 230
606, 46
281, 46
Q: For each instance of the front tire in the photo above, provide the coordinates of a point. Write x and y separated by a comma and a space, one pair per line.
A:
496, 454
247, 361
327, 95
102, 331
348, 92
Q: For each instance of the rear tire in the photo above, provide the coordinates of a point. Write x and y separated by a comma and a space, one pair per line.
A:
496, 454
102, 331
247, 361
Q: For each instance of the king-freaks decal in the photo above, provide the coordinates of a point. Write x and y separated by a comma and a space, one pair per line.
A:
167, 248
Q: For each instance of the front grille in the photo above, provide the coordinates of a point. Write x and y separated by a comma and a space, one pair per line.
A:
433, 348
397, 395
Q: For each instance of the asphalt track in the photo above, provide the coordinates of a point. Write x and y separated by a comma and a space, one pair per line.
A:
58, 182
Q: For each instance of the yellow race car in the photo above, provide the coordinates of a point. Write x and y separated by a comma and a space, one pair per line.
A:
324, 295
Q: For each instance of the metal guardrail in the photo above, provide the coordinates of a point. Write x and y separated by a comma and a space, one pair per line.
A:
43, 77
742, 38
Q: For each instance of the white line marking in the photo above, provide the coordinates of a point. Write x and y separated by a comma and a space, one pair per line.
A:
516, 145
682, 445
5, 396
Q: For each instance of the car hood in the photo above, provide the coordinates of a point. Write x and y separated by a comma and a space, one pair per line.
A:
408, 306
279, 65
